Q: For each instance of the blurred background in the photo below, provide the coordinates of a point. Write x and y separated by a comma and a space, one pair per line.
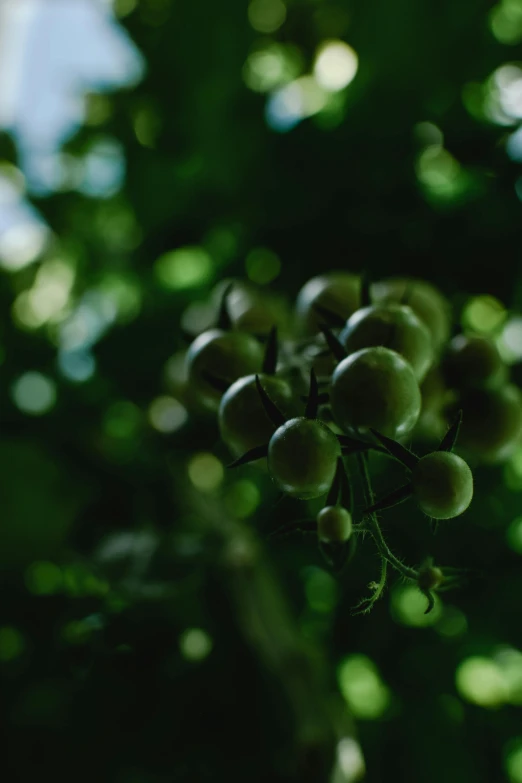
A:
148, 150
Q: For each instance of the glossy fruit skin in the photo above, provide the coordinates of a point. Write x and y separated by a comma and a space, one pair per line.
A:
375, 388
334, 525
492, 422
473, 361
442, 485
302, 458
425, 300
243, 422
393, 326
339, 292
253, 309
226, 355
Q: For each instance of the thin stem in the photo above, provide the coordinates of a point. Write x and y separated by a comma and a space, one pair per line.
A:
375, 528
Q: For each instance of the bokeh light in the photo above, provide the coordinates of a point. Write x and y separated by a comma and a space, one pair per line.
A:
167, 414
480, 681
187, 267
43, 578
360, 683
34, 393
262, 265
335, 65
195, 644
12, 643
408, 606
266, 16
483, 314
205, 472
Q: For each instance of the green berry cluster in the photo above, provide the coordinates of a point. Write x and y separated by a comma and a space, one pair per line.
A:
356, 368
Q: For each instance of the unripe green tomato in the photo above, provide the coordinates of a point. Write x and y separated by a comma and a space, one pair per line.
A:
253, 309
491, 422
473, 361
225, 355
393, 326
334, 525
243, 422
442, 485
375, 388
302, 458
338, 292
425, 300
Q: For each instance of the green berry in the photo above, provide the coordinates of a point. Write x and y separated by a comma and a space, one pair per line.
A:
302, 457
442, 484
492, 422
473, 361
223, 355
243, 422
338, 292
425, 300
375, 388
393, 326
334, 525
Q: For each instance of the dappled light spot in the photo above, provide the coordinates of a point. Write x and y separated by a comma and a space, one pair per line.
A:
43, 578
266, 16
77, 366
361, 685
195, 644
271, 66
206, 471
408, 606
34, 393
12, 644
335, 65
187, 267
479, 680
262, 265
287, 106
167, 414
483, 314
321, 590
21, 244
242, 498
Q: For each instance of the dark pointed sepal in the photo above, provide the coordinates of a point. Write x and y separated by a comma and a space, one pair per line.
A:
450, 438
397, 450
333, 320
431, 601
393, 499
312, 403
271, 409
219, 384
332, 498
271, 351
224, 320
299, 526
251, 456
337, 349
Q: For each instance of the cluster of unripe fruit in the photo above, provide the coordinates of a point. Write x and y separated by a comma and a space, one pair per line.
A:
357, 367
